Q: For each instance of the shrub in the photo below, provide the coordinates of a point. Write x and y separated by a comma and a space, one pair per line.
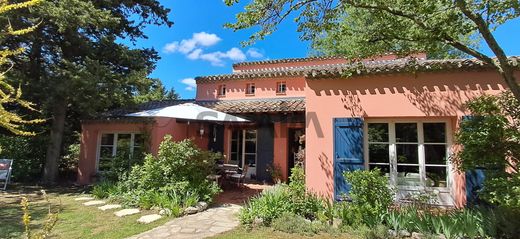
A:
370, 195
267, 206
173, 179
291, 223
491, 140
283, 198
28, 154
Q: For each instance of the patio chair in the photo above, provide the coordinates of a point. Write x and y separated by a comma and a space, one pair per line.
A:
6, 166
240, 177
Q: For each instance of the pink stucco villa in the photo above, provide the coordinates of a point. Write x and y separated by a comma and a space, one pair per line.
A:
399, 115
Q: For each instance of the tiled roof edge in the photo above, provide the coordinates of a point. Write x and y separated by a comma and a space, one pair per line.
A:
359, 68
287, 60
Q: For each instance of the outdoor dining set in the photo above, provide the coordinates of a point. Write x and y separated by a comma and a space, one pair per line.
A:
231, 173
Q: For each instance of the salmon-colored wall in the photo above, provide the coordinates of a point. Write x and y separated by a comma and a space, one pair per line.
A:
281, 146
397, 96
89, 140
265, 88
157, 130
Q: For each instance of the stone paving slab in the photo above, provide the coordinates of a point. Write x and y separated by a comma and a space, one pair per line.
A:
109, 206
126, 212
94, 203
84, 199
149, 218
201, 225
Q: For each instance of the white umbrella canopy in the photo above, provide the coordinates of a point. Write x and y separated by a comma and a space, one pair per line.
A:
189, 111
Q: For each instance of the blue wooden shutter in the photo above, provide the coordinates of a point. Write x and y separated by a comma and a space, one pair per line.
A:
348, 151
474, 180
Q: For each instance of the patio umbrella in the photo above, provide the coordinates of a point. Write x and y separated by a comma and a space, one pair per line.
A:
189, 111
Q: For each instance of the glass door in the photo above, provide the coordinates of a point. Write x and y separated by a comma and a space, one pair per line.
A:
243, 149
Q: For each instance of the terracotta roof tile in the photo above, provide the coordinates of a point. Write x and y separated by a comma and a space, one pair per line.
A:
257, 105
295, 104
288, 60
358, 68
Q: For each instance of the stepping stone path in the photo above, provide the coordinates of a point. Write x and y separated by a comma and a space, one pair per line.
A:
127, 212
109, 206
94, 203
149, 218
84, 199
204, 224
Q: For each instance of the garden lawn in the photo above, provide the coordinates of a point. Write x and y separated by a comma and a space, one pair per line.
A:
266, 232
74, 220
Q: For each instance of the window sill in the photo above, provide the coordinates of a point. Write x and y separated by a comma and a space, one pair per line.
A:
281, 93
250, 94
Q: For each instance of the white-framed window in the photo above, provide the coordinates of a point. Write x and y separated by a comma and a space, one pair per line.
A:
250, 88
112, 144
413, 155
281, 87
221, 90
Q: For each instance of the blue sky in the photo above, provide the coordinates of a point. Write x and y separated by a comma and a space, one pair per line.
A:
198, 44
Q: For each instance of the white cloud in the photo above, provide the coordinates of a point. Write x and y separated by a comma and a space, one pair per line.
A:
206, 39
171, 47
235, 54
217, 58
255, 53
194, 55
190, 83
194, 49
187, 45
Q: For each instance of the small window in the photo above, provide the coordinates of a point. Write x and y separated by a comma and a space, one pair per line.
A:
250, 89
222, 90
281, 88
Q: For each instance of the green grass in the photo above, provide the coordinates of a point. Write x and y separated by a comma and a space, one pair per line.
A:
262, 233
74, 220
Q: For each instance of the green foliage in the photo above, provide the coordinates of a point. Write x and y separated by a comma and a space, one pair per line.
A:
173, 179
75, 66
292, 223
491, 140
467, 223
365, 232
283, 198
105, 189
370, 194
267, 206
368, 28
28, 154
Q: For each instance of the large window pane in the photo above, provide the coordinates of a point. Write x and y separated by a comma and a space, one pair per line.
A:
250, 134
436, 177
378, 153
107, 139
105, 152
408, 176
434, 132
138, 140
250, 146
123, 143
378, 132
435, 154
407, 154
406, 132
250, 160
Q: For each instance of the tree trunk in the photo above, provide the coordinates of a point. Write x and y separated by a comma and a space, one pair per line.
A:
50, 171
